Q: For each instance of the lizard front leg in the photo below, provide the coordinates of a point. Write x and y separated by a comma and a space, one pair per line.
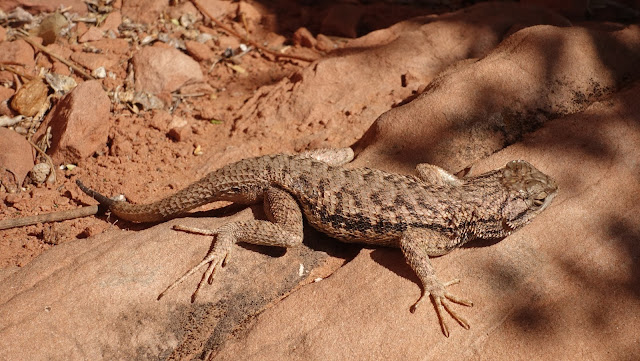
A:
432, 174
417, 245
283, 229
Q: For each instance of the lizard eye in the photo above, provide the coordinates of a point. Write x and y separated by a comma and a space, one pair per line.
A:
539, 198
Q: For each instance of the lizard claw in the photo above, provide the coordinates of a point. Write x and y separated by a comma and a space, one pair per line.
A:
442, 300
215, 258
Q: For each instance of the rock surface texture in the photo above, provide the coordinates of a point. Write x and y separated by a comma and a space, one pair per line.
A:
474, 88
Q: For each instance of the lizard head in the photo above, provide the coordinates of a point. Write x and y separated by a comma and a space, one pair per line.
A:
530, 192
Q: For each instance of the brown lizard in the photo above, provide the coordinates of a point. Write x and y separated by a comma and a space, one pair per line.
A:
425, 215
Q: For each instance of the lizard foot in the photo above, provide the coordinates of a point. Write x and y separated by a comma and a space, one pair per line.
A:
442, 300
217, 256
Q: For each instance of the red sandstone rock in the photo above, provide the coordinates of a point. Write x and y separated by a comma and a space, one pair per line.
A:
92, 34
164, 70
94, 61
199, 51
303, 37
17, 52
37, 6
249, 12
342, 20
143, 11
16, 159
218, 8
354, 95
112, 22
79, 123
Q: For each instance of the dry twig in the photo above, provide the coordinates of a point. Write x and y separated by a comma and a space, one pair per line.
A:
52, 175
64, 61
11, 69
49, 217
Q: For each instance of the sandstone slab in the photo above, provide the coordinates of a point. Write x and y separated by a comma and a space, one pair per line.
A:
486, 104
347, 90
542, 293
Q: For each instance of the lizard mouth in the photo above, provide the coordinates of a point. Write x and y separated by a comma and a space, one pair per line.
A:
546, 202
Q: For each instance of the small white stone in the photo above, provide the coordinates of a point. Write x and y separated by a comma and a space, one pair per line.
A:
99, 73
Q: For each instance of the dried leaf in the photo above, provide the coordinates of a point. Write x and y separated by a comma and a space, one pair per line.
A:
60, 83
198, 150
237, 68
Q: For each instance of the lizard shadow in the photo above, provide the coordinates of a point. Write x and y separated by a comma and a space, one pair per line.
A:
225, 211
312, 238
393, 259
481, 243
390, 258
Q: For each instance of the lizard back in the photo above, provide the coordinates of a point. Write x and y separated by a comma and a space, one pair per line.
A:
374, 207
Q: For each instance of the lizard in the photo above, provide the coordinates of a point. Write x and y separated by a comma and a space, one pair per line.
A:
425, 215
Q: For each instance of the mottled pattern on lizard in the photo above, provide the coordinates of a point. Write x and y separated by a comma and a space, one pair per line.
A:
425, 215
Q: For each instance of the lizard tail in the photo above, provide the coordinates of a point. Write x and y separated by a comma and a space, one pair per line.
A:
162, 210
216, 186
243, 182
104, 201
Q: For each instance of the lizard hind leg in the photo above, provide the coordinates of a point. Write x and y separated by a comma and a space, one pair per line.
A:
416, 245
283, 229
